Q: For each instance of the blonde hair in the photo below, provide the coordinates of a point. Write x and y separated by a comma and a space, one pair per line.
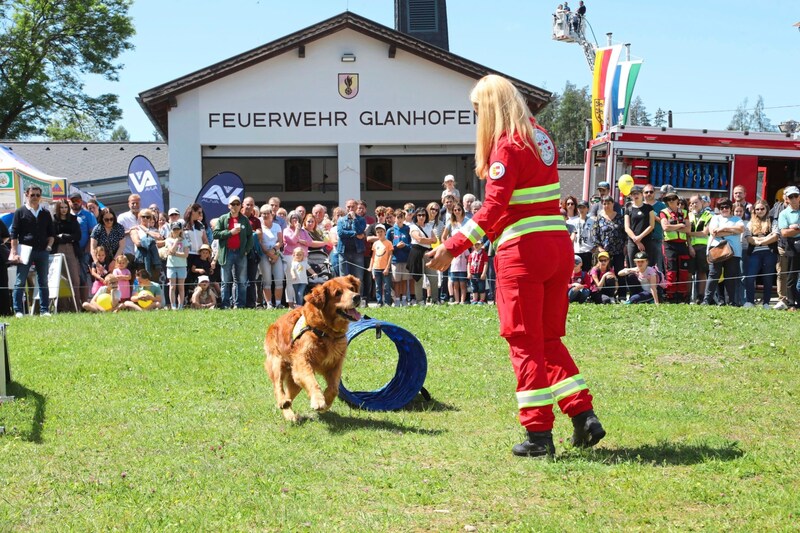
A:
760, 226
121, 259
501, 110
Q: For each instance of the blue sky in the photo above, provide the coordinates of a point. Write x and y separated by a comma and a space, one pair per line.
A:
698, 56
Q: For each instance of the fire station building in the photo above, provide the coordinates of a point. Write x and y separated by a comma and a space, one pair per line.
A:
346, 108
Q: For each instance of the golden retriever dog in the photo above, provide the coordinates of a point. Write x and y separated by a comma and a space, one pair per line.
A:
312, 339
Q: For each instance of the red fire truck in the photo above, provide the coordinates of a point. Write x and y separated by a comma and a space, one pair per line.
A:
694, 161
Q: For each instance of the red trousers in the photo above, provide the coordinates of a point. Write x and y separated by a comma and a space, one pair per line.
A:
532, 276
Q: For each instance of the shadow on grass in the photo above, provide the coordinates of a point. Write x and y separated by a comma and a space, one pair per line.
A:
668, 454
339, 424
21, 392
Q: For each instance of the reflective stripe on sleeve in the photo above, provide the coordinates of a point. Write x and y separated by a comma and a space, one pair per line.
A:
472, 231
568, 387
532, 195
534, 398
530, 225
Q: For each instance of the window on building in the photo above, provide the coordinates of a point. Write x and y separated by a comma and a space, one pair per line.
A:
379, 174
297, 175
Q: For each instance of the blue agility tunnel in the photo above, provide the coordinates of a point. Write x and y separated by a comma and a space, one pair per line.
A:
412, 367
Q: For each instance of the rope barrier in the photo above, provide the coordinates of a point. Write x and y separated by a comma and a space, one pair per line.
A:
412, 367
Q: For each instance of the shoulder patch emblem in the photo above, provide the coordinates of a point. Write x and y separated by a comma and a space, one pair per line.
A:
497, 170
546, 148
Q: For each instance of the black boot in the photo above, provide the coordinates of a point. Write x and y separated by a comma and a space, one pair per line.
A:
588, 430
538, 444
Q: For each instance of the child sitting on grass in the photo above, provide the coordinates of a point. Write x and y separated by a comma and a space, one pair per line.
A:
203, 296
100, 302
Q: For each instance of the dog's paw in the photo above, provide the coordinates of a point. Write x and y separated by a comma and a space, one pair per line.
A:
318, 404
289, 415
285, 404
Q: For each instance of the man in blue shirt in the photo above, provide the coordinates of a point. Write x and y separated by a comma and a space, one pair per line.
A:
87, 222
351, 230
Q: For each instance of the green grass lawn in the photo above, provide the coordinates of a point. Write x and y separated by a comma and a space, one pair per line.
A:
167, 421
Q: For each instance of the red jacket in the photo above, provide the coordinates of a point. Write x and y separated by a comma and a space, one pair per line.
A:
514, 167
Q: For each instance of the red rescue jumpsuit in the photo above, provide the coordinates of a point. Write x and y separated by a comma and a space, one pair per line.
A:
534, 261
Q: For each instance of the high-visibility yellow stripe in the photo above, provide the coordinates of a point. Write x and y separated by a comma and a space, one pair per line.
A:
472, 231
530, 225
534, 398
568, 387
533, 195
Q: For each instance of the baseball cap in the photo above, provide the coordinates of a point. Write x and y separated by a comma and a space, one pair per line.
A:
603, 254
584, 203
790, 190
636, 188
640, 255
204, 247
234, 198
75, 194
380, 226
174, 211
176, 225
603, 185
201, 279
667, 189
578, 260
449, 177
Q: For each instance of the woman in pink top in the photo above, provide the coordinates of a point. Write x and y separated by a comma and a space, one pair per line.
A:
294, 236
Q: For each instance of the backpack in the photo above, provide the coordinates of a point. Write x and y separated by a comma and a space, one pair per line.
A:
662, 279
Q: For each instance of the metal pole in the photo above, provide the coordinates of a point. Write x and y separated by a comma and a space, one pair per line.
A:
669, 118
608, 37
627, 51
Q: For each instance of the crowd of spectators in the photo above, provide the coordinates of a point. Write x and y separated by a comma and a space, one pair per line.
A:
655, 247
250, 257
651, 248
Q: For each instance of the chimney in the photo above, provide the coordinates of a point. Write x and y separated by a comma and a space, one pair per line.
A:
425, 20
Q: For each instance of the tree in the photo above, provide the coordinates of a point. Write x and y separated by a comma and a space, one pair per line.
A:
758, 119
47, 46
660, 118
565, 119
741, 118
637, 114
72, 127
120, 134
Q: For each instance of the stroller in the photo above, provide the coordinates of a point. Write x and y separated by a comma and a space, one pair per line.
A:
319, 263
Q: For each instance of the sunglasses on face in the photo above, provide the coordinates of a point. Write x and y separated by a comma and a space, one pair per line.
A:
146, 217
36, 195
648, 192
236, 203
570, 203
603, 260
793, 196
108, 220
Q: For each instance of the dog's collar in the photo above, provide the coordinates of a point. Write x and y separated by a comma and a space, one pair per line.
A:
301, 327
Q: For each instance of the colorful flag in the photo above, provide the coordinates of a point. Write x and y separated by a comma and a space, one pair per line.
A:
605, 63
626, 88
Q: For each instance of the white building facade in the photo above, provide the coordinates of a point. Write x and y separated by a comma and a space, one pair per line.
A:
344, 109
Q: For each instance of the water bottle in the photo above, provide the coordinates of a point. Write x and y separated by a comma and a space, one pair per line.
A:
135, 286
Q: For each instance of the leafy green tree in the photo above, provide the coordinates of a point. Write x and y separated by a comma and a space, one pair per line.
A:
120, 134
47, 47
72, 127
565, 119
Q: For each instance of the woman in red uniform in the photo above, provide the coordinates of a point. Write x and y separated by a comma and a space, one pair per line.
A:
521, 214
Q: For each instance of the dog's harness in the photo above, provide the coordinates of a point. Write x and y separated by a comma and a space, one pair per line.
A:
301, 327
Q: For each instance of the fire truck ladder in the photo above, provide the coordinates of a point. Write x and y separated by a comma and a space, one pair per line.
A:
565, 31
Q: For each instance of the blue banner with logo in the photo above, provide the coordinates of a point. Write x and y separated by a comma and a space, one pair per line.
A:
215, 195
143, 180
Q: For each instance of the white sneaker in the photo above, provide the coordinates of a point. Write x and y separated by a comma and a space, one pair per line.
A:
46, 313
780, 306
748, 305
18, 315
